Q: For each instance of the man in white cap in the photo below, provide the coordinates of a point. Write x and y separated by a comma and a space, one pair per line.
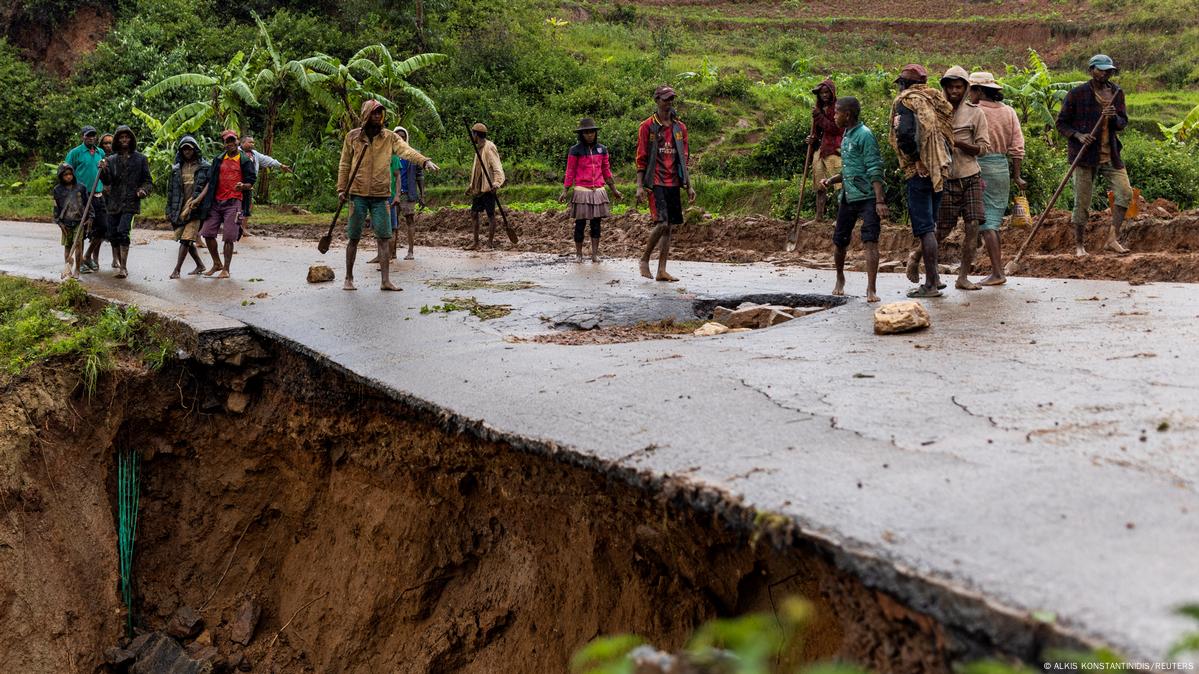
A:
1081, 112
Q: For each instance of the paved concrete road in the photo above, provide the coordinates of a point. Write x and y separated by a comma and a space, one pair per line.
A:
1037, 449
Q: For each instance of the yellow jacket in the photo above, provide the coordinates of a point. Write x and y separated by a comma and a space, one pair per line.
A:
491, 157
374, 175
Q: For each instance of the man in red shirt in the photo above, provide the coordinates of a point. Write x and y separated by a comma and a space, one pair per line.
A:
662, 155
232, 175
827, 159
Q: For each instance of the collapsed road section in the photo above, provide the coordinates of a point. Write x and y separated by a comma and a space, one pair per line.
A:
293, 517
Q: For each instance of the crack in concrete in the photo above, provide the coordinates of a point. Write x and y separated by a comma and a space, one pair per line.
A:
989, 418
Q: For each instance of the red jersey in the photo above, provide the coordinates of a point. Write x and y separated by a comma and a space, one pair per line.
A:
229, 177
668, 165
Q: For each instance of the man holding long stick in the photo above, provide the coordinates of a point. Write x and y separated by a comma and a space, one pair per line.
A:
486, 178
1082, 110
370, 147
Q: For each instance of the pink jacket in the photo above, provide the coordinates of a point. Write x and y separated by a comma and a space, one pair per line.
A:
587, 166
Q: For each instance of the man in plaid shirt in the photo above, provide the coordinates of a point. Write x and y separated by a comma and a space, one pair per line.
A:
1081, 111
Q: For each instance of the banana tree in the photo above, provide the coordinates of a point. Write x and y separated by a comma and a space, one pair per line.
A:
227, 96
272, 86
382, 73
1187, 129
1033, 93
333, 86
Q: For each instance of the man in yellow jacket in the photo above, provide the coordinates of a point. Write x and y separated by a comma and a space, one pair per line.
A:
486, 178
364, 179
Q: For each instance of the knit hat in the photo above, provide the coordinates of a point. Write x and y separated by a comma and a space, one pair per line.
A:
984, 79
956, 73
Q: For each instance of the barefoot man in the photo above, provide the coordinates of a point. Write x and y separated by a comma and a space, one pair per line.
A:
963, 194
486, 178
1081, 110
230, 178
862, 175
662, 154
370, 148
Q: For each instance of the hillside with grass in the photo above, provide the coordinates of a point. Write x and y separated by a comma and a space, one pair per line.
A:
531, 69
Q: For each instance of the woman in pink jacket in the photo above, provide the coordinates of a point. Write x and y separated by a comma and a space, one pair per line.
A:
588, 170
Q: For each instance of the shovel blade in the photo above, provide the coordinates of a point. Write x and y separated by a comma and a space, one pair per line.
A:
512, 235
324, 243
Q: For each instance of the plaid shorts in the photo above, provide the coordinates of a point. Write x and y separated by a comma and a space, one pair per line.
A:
961, 196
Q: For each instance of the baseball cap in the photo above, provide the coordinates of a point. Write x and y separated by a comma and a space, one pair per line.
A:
227, 133
88, 131
664, 91
1102, 62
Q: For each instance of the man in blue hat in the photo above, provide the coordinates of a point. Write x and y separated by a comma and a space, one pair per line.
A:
1082, 110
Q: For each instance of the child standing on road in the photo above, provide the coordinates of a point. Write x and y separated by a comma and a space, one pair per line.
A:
69, 200
588, 170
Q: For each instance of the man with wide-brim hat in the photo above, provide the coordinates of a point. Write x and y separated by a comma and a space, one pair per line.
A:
1084, 107
486, 178
963, 194
999, 168
922, 136
662, 154
588, 172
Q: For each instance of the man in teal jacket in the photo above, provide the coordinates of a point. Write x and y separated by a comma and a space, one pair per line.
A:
85, 160
862, 196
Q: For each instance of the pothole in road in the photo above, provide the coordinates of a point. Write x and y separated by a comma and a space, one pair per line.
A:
673, 317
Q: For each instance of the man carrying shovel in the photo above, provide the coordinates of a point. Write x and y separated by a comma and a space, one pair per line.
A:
364, 179
486, 178
1082, 110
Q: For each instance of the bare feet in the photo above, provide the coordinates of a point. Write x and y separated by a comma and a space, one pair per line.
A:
389, 286
174, 275
473, 246
579, 259
993, 280
373, 260
121, 273
224, 274
594, 258
663, 276
1114, 246
214, 269
409, 257
871, 296
645, 269
839, 289
964, 283
1080, 251
913, 269
196, 272
349, 284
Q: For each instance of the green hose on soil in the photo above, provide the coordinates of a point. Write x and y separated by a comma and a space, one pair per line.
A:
128, 484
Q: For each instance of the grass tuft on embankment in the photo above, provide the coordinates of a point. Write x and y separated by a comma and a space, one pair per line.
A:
40, 324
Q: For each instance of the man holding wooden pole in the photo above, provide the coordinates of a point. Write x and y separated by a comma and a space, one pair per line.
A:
1083, 110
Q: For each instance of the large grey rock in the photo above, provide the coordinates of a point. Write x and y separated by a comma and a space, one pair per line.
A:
161, 654
898, 317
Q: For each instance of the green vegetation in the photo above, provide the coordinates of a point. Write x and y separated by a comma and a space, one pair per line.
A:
483, 312
479, 283
38, 325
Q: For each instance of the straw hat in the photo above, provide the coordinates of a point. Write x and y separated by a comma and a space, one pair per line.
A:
984, 79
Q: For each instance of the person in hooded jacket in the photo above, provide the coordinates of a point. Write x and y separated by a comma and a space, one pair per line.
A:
364, 179
826, 162
189, 178
70, 200
125, 173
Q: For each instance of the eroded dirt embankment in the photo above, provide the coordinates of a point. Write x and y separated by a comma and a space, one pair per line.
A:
393, 540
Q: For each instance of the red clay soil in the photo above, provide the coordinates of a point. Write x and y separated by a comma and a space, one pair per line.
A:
382, 540
1165, 243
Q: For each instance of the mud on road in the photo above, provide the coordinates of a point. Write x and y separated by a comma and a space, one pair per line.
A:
1165, 242
383, 536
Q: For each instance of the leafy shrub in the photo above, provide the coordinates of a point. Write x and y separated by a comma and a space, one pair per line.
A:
1162, 169
19, 85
